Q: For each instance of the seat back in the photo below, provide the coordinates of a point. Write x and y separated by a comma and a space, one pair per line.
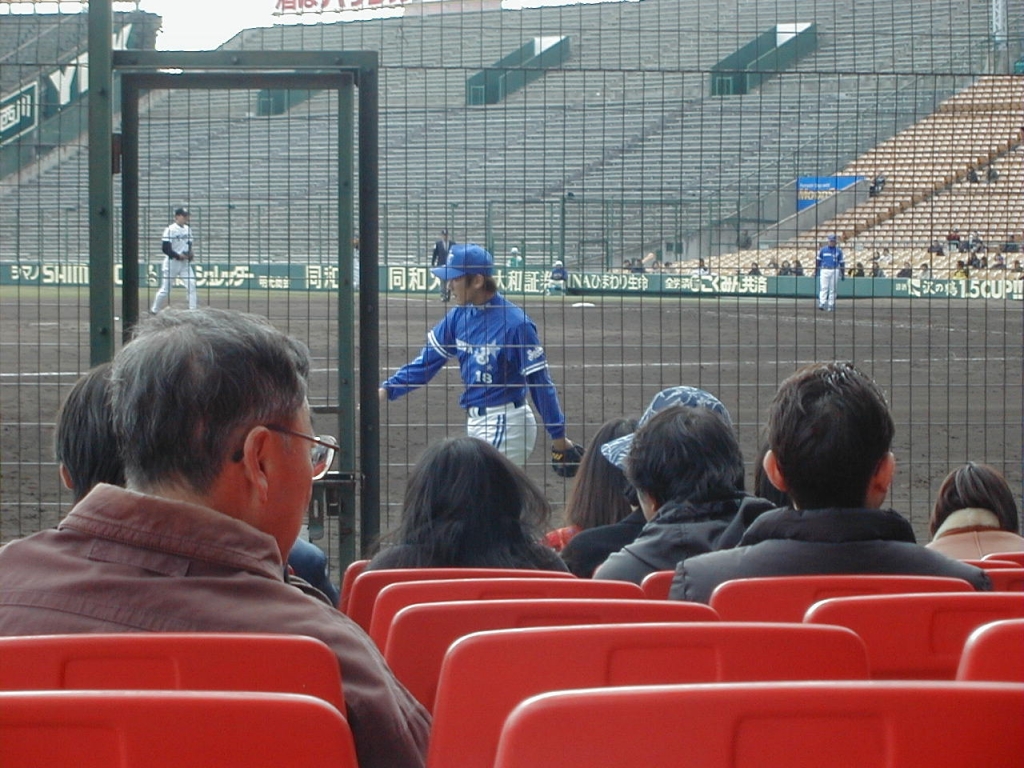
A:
787, 598
994, 652
1007, 579
1013, 557
919, 636
764, 725
989, 565
172, 661
486, 674
656, 585
368, 584
352, 570
170, 729
420, 634
395, 597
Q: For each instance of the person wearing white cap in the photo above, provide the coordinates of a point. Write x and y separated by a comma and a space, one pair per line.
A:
500, 357
686, 466
515, 259
177, 248
829, 268
558, 280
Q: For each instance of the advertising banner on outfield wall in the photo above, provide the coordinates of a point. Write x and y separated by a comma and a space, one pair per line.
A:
419, 280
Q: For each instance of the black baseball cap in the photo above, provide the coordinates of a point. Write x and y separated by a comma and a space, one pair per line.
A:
181, 211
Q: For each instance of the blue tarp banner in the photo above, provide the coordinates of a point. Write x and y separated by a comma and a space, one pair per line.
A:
811, 190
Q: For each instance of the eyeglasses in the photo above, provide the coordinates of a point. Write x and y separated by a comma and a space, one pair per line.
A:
321, 455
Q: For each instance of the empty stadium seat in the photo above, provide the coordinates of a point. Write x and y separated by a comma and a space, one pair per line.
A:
421, 634
916, 636
765, 725
171, 729
656, 585
1007, 579
990, 565
787, 598
395, 597
1013, 557
367, 585
994, 651
486, 674
172, 661
352, 570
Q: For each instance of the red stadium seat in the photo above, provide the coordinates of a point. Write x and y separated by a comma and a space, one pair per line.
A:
172, 661
656, 585
486, 674
787, 598
171, 729
989, 565
421, 634
864, 724
1007, 579
1013, 557
395, 597
351, 571
919, 636
368, 584
994, 652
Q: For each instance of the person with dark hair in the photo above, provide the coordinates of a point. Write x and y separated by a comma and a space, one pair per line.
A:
178, 254
442, 249
83, 442
500, 357
210, 407
975, 514
599, 494
467, 506
829, 447
687, 469
907, 270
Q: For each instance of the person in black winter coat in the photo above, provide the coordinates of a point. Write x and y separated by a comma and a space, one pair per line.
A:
829, 438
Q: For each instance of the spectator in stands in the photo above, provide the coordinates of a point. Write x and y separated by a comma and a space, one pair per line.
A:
991, 175
686, 466
876, 268
1012, 245
829, 437
754, 269
638, 266
960, 271
219, 475
85, 447
972, 176
982, 261
925, 272
885, 257
953, 240
798, 268
936, 248
975, 514
857, 270
468, 506
773, 267
701, 270
744, 242
600, 501
998, 262
976, 244
906, 271
515, 259
1016, 268
786, 270
974, 261
763, 486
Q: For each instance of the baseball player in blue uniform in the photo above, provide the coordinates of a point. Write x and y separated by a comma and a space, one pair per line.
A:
177, 248
500, 357
829, 268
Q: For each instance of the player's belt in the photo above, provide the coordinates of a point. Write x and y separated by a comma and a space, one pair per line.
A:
483, 410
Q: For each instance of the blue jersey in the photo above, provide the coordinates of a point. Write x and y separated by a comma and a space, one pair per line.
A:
500, 358
829, 257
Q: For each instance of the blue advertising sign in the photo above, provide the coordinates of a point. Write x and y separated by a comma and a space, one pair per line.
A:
811, 190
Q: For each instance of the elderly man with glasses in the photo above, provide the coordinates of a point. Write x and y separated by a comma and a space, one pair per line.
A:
210, 411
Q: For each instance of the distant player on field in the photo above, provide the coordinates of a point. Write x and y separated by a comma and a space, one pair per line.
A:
829, 269
500, 358
177, 248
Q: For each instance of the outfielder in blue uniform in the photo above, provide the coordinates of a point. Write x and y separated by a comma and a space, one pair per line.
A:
829, 268
500, 357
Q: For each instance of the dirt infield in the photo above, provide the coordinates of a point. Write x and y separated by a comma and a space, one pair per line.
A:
951, 369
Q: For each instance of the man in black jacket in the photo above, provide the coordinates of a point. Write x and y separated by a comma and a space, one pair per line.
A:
829, 437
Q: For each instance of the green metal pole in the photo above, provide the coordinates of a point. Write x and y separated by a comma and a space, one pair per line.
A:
101, 187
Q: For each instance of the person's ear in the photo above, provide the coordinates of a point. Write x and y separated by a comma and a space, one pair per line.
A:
65, 478
255, 461
774, 471
881, 481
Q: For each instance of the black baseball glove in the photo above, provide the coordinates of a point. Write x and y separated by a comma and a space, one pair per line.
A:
565, 463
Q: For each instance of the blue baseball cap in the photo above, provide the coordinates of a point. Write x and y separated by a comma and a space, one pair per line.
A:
617, 450
468, 259
831, 238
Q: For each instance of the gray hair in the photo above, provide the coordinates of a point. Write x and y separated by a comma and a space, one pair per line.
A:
191, 382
